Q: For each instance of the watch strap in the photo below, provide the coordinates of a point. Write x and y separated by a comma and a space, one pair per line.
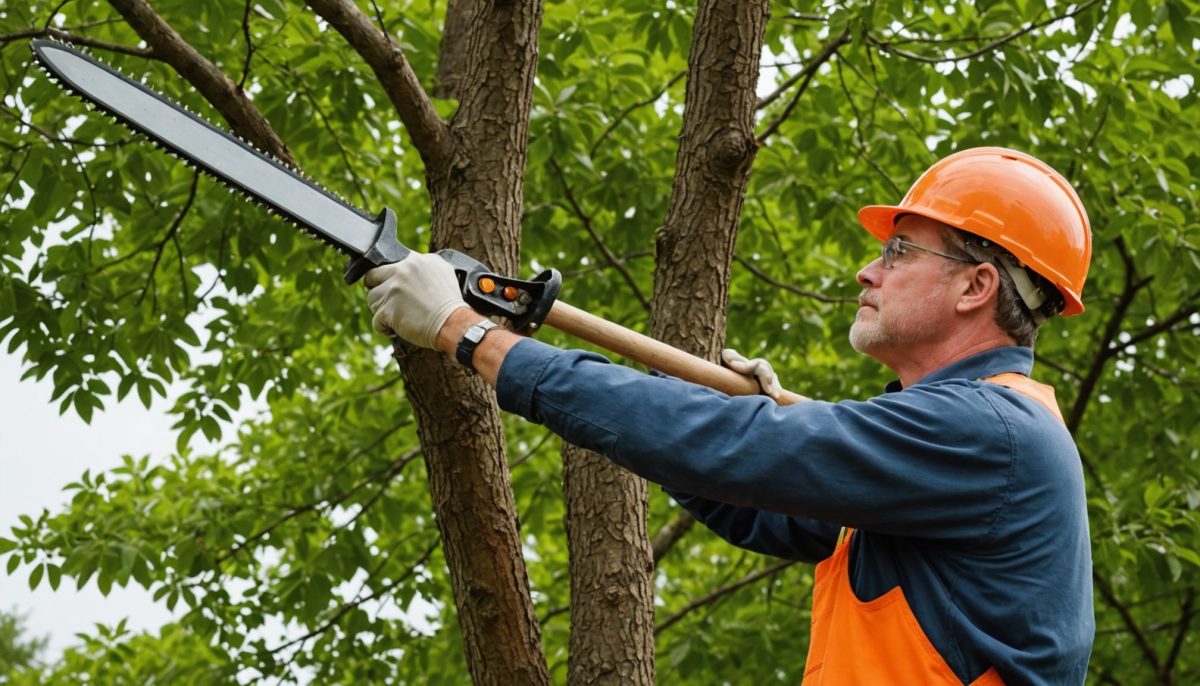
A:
471, 340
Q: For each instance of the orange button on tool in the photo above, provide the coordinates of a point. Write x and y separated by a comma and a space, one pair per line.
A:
510, 293
487, 285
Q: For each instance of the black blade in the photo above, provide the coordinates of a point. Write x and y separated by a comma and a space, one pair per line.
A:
210, 149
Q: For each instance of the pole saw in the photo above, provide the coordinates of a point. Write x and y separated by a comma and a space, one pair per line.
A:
369, 241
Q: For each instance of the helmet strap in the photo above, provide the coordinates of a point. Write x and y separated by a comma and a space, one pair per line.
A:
1031, 295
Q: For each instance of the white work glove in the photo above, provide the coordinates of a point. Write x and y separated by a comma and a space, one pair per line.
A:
414, 297
757, 369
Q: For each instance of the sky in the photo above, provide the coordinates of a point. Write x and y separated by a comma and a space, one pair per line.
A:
40, 452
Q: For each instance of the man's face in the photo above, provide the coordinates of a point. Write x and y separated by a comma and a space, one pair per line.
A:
908, 304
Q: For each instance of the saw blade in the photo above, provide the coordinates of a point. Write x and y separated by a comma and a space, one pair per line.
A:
212, 150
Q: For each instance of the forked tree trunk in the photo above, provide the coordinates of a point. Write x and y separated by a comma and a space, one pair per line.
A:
612, 639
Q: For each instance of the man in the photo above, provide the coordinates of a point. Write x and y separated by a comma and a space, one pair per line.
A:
947, 515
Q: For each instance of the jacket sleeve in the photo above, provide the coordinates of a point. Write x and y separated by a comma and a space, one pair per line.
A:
769, 533
934, 462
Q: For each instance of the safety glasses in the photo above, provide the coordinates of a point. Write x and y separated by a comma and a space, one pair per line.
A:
897, 246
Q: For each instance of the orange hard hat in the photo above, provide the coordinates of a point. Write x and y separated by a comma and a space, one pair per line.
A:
1010, 198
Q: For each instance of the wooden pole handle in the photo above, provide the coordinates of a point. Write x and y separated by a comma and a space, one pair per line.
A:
655, 354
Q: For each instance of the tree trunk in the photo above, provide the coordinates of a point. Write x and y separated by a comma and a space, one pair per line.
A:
611, 559
716, 149
452, 60
612, 596
477, 198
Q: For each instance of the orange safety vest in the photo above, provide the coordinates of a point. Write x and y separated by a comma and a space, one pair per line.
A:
880, 642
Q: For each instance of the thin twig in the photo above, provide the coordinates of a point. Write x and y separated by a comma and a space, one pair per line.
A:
337, 140
359, 600
886, 46
162, 244
722, 592
1106, 350
789, 287
532, 451
1186, 613
807, 74
591, 230
1106, 592
671, 533
1183, 312
76, 39
327, 504
629, 110
250, 47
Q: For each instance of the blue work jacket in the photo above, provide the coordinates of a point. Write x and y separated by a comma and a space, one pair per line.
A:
966, 494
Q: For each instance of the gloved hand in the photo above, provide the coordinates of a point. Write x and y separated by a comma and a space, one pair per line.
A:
758, 369
414, 297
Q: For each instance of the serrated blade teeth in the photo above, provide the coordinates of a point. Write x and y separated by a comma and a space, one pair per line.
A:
237, 164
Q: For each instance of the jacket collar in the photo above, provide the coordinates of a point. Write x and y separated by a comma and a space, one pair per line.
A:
1012, 358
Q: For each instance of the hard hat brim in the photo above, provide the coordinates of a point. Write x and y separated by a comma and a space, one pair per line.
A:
880, 220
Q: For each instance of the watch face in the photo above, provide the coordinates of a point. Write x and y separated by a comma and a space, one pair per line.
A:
475, 333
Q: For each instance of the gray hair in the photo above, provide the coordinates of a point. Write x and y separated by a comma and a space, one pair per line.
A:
1012, 315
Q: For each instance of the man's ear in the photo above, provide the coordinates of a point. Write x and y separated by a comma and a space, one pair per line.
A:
979, 287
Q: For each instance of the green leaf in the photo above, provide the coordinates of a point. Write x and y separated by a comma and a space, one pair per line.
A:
35, 576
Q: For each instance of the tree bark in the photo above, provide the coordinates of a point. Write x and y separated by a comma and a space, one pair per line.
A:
612, 594
611, 559
166, 44
474, 170
712, 168
477, 198
452, 61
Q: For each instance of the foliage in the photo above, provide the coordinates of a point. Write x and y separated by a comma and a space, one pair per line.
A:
18, 651
305, 548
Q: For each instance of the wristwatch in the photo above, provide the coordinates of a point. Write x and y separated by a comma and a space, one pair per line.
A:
471, 340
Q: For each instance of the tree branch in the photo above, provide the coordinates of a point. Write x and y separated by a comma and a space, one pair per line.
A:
218, 89
429, 133
1186, 613
76, 39
629, 110
807, 74
886, 46
387, 474
591, 230
162, 244
789, 287
359, 600
1187, 309
722, 592
1139, 636
670, 534
1105, 350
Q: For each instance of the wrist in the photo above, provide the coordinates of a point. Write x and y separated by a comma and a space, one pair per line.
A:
454, 327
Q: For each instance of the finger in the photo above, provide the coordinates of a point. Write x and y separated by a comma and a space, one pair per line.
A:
729, 354
379, 274
375, 298
381, 324
743, 367
770, 386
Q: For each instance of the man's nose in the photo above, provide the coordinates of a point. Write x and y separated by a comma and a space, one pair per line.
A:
868, 276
